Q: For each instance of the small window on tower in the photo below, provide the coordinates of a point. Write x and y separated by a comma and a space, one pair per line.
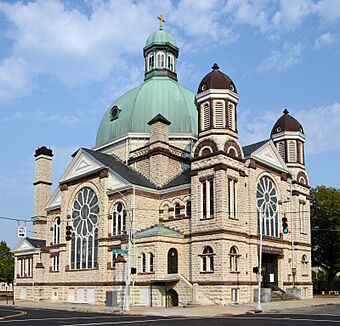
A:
114, 113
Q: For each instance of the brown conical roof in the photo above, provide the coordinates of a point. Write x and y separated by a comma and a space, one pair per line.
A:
216, 80
286, 123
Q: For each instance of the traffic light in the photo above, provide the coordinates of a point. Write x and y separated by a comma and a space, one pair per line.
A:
68, 232
255, 270
133, 270
285, 225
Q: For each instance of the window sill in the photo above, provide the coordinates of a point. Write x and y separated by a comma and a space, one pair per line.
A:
235, 272
146, 273
206, 218
82, 270
207, 272
304, 275
234, 218
55, 271
25, 277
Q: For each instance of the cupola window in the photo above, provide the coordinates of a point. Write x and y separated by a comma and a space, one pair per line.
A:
291, 151
206, 116
171, 62
114, 113
281, 149
160, 60
151, 62
219, 115
231, 118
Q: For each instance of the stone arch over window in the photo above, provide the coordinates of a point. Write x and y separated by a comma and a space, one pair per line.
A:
56, 230
164, 210
205, 143
232, 149
208, 259
177, 210
234, 259
84, 243
119, 218
302, 178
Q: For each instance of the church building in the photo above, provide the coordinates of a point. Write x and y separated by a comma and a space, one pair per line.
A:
168, 208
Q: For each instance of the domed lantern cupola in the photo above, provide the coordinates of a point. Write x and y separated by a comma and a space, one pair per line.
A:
217, 100
289, 138
160, 53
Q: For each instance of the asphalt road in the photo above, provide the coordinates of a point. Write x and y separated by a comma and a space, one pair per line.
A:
325, 315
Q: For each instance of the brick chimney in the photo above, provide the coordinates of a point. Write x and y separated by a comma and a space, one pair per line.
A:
159, 149
42, 190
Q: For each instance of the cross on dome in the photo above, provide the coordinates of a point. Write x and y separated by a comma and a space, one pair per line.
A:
161, 21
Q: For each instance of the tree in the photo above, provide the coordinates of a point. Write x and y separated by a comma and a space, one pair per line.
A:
325, 209
6, 263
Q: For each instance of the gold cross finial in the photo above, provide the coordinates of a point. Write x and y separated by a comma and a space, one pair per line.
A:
161, 21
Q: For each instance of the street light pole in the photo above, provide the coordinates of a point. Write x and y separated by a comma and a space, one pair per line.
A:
258, 307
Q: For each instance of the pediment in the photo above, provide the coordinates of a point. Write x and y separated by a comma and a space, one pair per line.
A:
82, 164
268, 155
23, 246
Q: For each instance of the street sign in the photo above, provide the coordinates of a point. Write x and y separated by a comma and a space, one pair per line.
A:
120, 251
22, 231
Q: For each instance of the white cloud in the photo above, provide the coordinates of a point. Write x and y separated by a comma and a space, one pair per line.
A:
281, 60
15, 79
324, 40
328, 11
74, 47
321, 126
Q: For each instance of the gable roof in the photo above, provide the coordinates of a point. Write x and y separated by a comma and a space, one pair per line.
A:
158, 230
247, 150
119, 167
36, 243
182, 179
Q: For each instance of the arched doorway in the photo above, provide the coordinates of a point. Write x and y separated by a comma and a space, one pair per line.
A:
172, 261
171, 298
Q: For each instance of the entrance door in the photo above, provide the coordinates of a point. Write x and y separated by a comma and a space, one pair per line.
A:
172, 298
172, 261
269, 270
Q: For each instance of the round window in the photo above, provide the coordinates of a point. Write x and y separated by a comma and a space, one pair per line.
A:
115, 113
204, 87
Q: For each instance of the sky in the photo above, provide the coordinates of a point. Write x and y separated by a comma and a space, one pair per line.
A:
62, 63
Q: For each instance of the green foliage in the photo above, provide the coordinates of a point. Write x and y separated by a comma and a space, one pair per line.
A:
6, 263
325, 209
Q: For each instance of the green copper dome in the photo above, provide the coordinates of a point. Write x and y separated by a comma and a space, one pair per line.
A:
131, 112
160, 37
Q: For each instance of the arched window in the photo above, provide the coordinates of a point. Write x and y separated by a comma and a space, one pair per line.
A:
206, 151
292, 151
267, 206
151, 262
219, 115
56, 230
208, 259
206, 116
234, 258
232, 151
231, 116
151, 61
304, 262
119, 219
177, 210
160, 59
84, 244
143, 263
188, 209
165, 212
171, 62
281, 149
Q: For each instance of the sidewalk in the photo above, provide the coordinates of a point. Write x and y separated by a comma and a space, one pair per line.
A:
201, 311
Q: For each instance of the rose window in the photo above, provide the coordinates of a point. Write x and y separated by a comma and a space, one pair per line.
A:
84, 245
267, 206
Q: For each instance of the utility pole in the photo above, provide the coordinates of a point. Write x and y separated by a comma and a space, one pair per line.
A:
128, 263
258, 307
